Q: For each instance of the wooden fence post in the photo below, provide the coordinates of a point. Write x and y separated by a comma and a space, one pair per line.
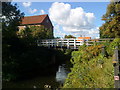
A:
116, 68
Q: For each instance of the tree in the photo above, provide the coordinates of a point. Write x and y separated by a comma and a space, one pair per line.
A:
111, 27
33, 33
11, 17
21, 57
69, 36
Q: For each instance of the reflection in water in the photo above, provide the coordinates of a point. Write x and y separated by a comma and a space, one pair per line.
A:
61, 74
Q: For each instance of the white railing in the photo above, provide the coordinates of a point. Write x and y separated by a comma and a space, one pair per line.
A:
68, 43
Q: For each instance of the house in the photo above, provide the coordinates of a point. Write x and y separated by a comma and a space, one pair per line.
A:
83, 38
39, 20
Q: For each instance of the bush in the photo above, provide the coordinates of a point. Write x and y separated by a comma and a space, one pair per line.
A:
92, 69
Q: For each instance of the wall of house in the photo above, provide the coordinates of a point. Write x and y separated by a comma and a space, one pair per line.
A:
47, 24
23, 27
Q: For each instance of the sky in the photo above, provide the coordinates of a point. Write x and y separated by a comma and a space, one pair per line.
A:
69, 18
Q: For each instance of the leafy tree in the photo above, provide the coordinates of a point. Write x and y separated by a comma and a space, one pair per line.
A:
111, 27
69, 36
11, 17
33, 33
20, 57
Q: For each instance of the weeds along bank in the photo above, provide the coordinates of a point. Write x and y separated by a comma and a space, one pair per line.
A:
91, 68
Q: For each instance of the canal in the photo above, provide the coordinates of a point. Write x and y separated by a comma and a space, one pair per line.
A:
37, 82
41, 81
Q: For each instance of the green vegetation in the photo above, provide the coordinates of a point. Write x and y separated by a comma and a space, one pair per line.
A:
111, 27
21, 57
37, 32
31, 34
11, 16
69, 36
92, 69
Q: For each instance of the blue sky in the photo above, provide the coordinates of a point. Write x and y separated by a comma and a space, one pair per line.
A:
76, 18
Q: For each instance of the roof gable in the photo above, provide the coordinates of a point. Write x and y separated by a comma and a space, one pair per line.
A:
33, 19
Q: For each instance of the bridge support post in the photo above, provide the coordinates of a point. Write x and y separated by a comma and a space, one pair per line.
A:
74, 43
52, 43
55, 43
68, 44
48, 43
61, 43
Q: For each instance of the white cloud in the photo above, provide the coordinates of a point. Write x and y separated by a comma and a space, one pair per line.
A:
42, 12
75, 21
26, 4
58, 32
32, 10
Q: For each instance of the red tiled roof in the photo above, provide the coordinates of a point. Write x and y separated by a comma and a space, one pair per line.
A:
83, 38
33, 19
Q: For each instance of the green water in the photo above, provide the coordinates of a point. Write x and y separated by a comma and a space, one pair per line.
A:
39, 82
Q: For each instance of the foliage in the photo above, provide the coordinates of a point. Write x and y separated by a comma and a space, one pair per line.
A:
113, 45
69, 36
33, 33
26, 62
21, 57
11, 16
37, 32
91, 69
111, 27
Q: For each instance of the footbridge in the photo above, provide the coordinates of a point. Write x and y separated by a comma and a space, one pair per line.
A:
69, 43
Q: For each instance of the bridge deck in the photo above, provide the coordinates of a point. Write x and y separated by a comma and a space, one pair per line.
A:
69, 43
